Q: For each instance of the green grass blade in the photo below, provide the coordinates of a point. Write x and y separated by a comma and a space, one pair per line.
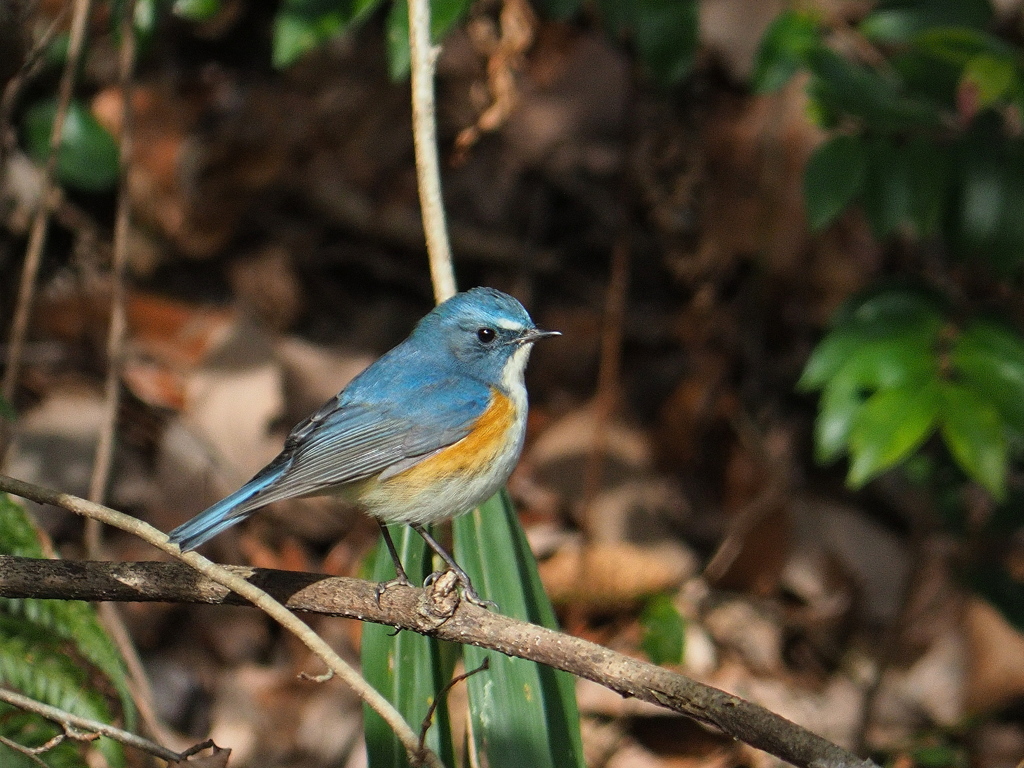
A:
408, 669
522, 713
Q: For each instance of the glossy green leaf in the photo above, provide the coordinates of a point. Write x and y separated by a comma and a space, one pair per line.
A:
992, 78
833, 178
887, 197
664, 631
841, 401
828, 357
960, 44
515, 702
877, 97
783, 50
896, 360
990, 359
304, 25
929, 170
444, 14
665, 33
973, 432
410, 670
88, 156
902, 20
891, 425
987, 223
197, 10
896, 308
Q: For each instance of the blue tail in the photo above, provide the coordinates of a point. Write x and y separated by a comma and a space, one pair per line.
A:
225, 513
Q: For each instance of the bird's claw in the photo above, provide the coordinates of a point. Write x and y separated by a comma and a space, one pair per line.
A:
384, 586
467, 589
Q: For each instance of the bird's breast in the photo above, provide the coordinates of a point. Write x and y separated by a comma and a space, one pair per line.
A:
489, 437
456, 478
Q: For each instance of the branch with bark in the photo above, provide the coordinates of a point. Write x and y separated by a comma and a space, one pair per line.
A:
436, 611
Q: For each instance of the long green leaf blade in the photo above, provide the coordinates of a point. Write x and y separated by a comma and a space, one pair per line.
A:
408, 669
521, 713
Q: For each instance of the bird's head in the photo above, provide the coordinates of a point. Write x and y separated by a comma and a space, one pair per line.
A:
488, 333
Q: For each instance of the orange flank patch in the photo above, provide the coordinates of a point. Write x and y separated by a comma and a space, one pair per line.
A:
482, 445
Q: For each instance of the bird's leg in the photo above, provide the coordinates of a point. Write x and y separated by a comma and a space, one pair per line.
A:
401, 580
461, 575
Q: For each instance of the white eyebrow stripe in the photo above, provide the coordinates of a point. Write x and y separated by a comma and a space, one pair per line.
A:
509, 325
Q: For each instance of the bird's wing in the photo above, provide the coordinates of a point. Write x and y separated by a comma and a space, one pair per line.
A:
350, 440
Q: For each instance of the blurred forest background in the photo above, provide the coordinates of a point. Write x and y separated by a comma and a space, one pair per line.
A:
777, 447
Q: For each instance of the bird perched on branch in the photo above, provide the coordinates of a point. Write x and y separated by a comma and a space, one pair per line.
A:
427, 432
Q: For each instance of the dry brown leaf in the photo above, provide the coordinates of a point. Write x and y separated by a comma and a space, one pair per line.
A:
996, 673
613, 575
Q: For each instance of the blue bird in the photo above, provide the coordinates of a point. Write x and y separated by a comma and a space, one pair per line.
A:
431, 429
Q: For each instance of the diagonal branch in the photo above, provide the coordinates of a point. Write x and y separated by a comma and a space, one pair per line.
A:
427, 612
251, 594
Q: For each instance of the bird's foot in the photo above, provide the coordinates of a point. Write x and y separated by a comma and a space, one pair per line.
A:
467, 588
399, 581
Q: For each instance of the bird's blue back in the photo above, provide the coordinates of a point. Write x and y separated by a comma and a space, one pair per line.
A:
418, 398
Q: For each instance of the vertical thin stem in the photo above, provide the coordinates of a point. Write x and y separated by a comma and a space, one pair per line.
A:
116, 332
423, 58
40, 223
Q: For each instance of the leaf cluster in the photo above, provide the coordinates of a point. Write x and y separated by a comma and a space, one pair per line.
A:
896, 370
926, 140
57, 652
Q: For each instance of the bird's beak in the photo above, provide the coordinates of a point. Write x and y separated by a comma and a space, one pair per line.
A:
535, 334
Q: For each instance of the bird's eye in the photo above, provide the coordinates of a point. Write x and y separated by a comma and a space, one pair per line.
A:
486, 335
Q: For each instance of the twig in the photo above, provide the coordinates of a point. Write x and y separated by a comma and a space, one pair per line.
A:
423, 56
436, 700
32, 64
609, 372
68, 720
26, 751
405, 608
103, 457
240, 586
40, 223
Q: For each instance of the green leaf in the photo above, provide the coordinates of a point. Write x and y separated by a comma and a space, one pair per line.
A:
664, 631
877, 97
990, 360
88, 155
895, 22
61, 621
783, 50
959, 44
410, 670
197, 10
887, 197
890, 426
928, 167
895, 308
992, 78
841, 401
304, 25
666, 32
973, 432
833, 178
515, 702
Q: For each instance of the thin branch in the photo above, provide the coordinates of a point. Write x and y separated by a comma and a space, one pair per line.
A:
68, 720
250, 592
423, 56
40, 223
103, 457
428, 612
